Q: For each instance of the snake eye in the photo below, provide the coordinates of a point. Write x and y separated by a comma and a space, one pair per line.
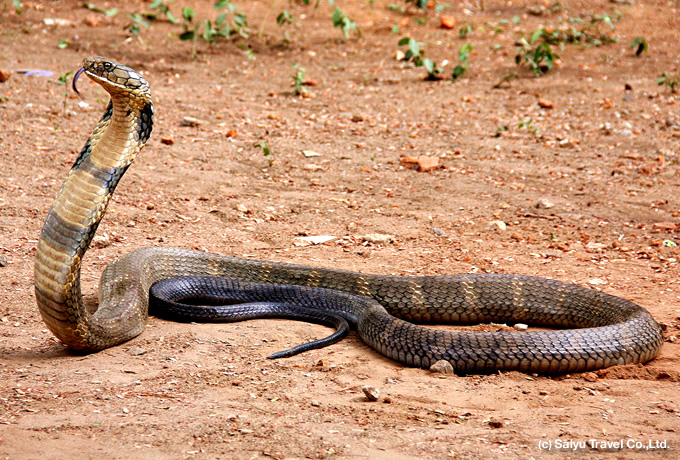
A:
107, 66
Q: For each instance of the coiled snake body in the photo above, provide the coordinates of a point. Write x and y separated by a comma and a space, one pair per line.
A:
599, 330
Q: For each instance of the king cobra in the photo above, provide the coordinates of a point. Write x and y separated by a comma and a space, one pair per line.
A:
588, 329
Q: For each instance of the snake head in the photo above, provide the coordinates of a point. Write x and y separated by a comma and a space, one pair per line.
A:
115, 78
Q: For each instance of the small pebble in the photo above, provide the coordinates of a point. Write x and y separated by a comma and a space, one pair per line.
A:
544, 203
372, 393
190, 122
589, 376
495, 423
3, 261
520, 327
497, 225
442, 367
137, 351
316, 403
100, 241
377, 238
546, 104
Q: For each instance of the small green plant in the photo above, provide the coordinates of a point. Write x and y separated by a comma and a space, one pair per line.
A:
266, 151
210, 31
163, 9
422, 4
669, 81
111, 12
299, 84
137, 21
62, 43
540, 59
640, 45
344, 23
415, 55
285, 17
527, 124
463, 55
63, 78
466, 30
17, 6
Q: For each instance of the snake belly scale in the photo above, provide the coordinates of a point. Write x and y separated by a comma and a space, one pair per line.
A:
597, 330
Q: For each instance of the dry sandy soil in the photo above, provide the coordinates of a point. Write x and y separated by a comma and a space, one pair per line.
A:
588, 191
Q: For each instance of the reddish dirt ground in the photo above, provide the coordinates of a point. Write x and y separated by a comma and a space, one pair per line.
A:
586, 178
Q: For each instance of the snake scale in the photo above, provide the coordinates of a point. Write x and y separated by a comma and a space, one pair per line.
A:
594, 329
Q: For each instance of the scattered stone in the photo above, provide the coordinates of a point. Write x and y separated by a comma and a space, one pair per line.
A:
57, 22
232, 133
377, 238
137, 351
544, 203
316, 403
167, 140
372, 393
495, 423
4, 75
536, 10
422, 163
310, 153
593, 246
93, 20
665, 226
497, 225
426, 164
190, 122
438, 231
312, 240
546, 104
3, 261
448, 22
589, 376
357, 118
442, 367
101, 241
597, 282
241, 208
543, 393
387, 400
520, 327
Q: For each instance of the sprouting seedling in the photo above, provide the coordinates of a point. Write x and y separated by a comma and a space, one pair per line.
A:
640, 44
299, 84
463, 55
670, 81
267, 151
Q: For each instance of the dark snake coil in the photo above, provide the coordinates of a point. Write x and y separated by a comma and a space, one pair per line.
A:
599, 330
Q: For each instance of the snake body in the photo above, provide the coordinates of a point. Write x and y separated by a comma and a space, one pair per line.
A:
597, 330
